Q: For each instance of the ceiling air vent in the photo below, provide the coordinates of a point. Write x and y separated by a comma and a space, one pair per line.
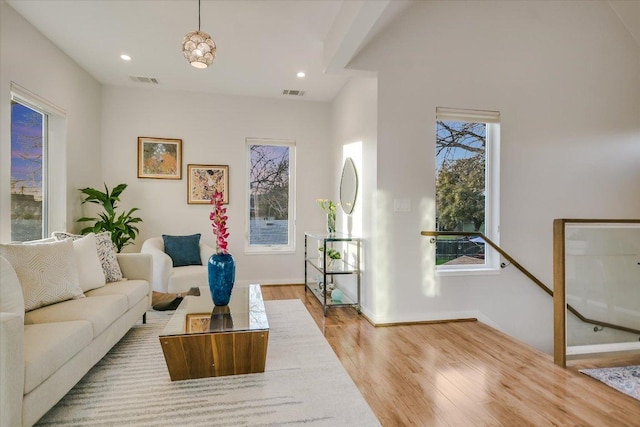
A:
293, 92
142, 79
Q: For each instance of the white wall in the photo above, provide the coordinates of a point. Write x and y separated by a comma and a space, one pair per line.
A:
564, 75
213, 129
33, 62
354, 119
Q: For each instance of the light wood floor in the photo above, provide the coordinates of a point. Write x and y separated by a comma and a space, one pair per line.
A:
462, 374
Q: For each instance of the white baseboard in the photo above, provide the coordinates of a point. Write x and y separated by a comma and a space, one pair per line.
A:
267, 282
431, 317
602, 348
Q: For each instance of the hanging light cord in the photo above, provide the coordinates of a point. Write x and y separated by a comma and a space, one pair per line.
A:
198, 15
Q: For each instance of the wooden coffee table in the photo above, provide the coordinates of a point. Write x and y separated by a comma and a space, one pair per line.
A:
202, 340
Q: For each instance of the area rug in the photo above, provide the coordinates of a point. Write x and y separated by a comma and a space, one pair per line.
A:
303, 384
625, 379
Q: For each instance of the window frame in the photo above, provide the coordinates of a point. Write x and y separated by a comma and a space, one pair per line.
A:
55, 161
271, 249
492, 187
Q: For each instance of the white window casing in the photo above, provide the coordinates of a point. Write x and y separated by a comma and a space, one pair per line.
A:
272, 248
492, 186
54, 173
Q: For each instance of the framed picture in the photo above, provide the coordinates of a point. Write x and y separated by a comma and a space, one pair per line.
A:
159, 158
198, 322
204, 180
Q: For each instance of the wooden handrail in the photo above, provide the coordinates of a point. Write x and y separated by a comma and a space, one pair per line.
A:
527, 273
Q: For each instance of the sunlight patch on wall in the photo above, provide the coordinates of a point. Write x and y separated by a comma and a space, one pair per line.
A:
430, 287
384, 254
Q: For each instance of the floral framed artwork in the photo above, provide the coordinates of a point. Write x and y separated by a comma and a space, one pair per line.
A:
198, 322
204, 180
159, 158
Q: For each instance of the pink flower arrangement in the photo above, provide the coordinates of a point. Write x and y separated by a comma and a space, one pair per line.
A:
218, 219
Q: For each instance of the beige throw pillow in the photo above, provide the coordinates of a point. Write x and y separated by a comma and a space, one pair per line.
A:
106, 253
90, 272
47, 272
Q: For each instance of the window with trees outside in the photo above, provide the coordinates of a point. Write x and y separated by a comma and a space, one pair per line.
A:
271, 195
28, 163
467, 185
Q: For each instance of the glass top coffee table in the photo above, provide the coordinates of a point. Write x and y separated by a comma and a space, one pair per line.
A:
202, 340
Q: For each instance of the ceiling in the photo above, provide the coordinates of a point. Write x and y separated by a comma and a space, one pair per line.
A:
261, 45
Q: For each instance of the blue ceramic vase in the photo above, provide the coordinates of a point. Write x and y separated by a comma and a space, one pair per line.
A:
222, 275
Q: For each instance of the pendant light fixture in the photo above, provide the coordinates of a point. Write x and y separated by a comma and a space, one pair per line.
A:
198, 47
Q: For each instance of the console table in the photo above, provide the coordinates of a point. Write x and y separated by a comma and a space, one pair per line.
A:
317, 250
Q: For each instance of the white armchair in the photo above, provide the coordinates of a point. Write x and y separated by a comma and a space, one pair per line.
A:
175, 280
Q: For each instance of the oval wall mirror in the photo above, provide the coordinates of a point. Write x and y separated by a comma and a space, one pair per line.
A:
348, 186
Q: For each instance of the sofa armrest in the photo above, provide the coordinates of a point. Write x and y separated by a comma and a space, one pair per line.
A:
136, 266
162, 265
11, 369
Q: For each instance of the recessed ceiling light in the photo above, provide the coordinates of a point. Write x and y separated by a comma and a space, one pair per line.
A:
125, 57
301, 74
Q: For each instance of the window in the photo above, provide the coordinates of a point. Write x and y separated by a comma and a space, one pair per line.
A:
37, 165
467, 155
271, 166
28, 166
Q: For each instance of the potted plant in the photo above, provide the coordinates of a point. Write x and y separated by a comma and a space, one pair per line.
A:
121, 226
329, 208
332, 255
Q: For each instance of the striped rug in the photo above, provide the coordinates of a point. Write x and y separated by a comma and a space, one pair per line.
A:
303, 384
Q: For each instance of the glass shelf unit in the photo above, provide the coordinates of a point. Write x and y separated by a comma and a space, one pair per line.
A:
317, 248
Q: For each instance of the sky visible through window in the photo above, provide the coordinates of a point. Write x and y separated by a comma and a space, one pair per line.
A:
27, 155
450, 147
269, 195
26, 151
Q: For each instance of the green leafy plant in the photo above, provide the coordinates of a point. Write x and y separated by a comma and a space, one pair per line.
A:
121, 226
329, 208
332, 253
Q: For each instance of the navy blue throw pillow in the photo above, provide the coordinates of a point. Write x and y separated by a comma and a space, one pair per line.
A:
183, 250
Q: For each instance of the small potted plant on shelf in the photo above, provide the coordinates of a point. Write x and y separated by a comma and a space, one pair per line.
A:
332, 255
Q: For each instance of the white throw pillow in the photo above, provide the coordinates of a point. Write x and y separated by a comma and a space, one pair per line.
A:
90, 272
32, 242
47, 272
106, 253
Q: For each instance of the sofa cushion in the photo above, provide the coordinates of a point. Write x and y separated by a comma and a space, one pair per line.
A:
183, 250
47, 271
90, 273
11, 299
101, 311
106, 253
134, 290
48, 346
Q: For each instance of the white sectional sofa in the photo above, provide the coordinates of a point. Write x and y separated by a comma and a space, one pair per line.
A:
45, 351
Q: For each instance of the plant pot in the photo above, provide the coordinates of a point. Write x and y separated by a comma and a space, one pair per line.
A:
222, 275
331, 222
